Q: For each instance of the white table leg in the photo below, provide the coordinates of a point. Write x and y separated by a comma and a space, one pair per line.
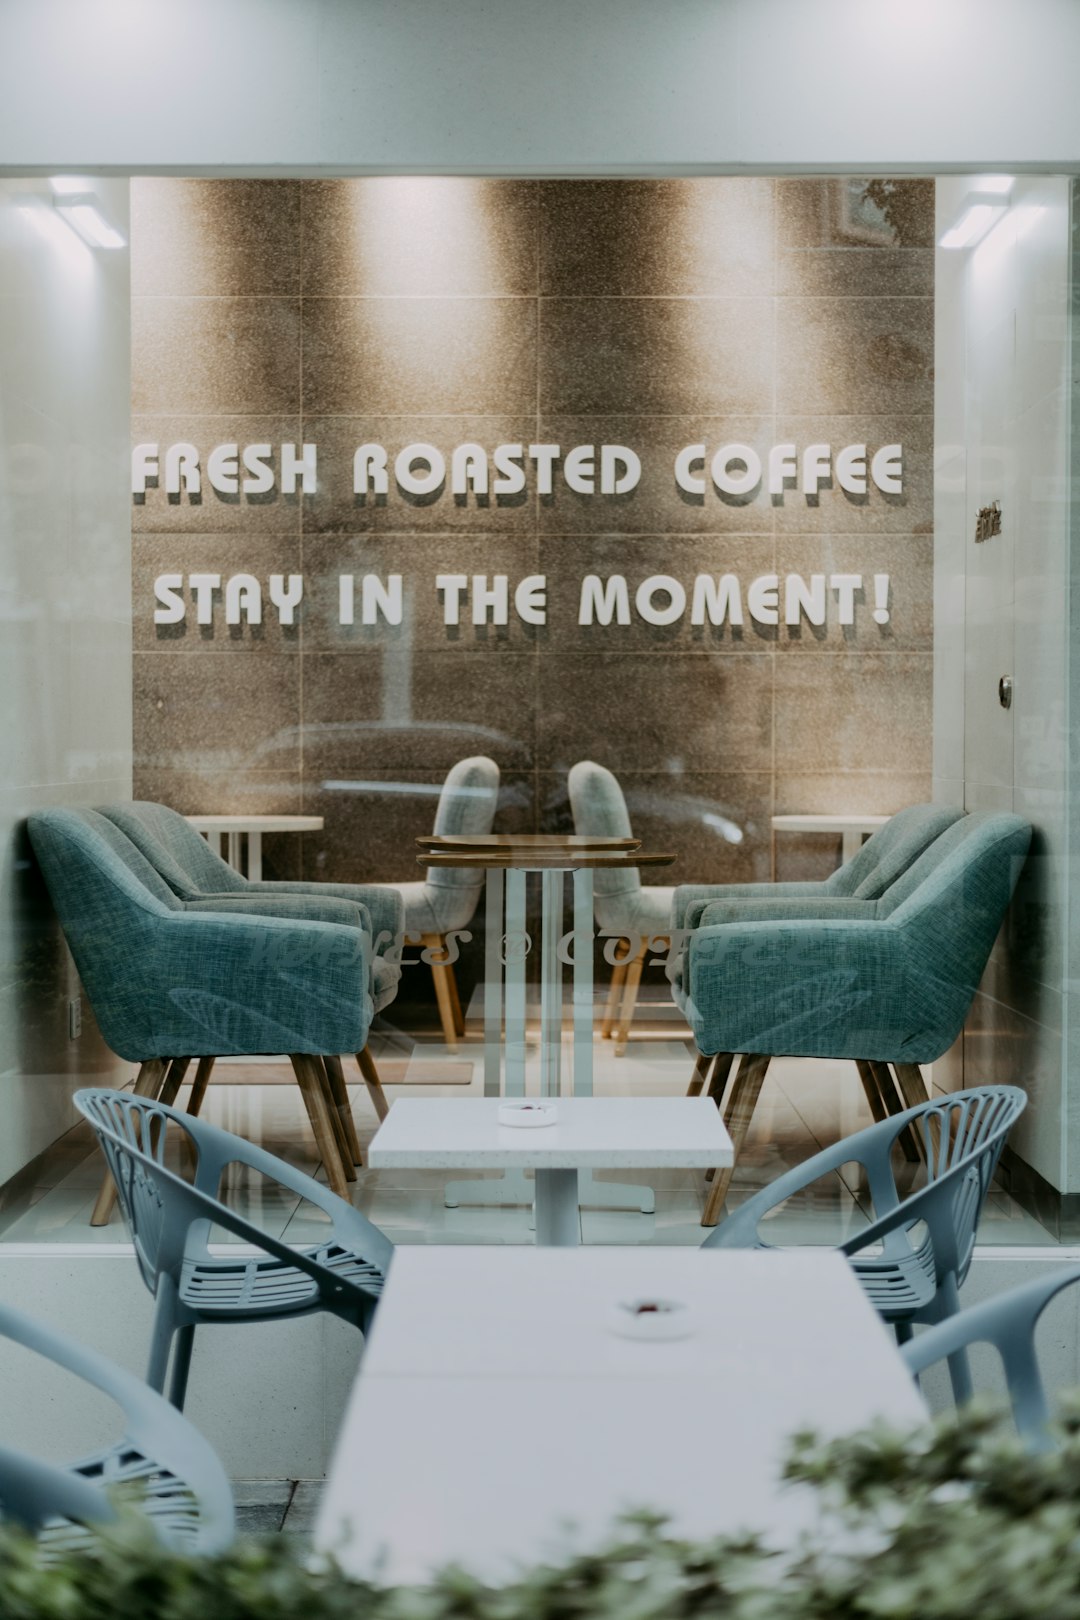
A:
254, 864
851, 844
493, 937
213, 838
583, 981
234, 850
516, 947
551, 986
558, 1223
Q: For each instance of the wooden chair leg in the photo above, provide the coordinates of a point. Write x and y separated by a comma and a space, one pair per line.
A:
611, 1006
721, 1071
914, 1090
340, 1094
455, 1002
311, 1079
174, 1079
203, 1072
629, 999
740, 1111
870, 1087
910, 1141
341, 1135
148, 1083
702, 1065
444, 995
372, 1081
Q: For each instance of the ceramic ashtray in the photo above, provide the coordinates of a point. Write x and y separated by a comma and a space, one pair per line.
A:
653, 1318
528, 1115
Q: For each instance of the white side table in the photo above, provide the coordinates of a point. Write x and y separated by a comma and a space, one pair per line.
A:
591, 1133
215, 828
853, 829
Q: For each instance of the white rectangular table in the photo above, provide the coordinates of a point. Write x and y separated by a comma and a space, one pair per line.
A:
495, 1403
592, 1133
853, 829
232, 828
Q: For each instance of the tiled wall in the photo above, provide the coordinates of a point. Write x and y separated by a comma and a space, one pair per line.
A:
649, 313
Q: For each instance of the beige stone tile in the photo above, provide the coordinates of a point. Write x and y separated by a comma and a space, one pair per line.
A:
825, 246
604, 355
716, 822
208, 512
419, 559
682, 238
373, 817
196, 787
218, 715
226, 556
411, 355
566, 559
657, 505
808, 857
832, 510
201, 356
864, 713
336, 509
422, 235
908, 560
632, 711
214, 238
869, 354
365, 709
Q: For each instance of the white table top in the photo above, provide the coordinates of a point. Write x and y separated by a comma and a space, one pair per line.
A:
600, 1133
829, 823
256, 823
494, 1404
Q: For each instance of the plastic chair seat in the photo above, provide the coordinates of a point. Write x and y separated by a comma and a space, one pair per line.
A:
161, 1496
242, 1288
898, 1287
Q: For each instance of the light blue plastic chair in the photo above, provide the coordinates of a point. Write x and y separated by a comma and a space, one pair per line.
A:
927, 1237
1008, 1323
163, 1464
170, 1221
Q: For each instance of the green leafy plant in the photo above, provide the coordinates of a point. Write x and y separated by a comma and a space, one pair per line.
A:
953, 1521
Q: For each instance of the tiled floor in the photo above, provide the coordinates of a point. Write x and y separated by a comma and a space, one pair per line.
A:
804, 1105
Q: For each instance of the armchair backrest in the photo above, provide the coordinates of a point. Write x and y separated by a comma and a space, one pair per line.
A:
599, 811
177, 852
467, 804
890, 851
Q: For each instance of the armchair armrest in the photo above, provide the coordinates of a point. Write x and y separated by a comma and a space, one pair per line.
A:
291, 907
813, 908
828, 988
382, 902
687, 894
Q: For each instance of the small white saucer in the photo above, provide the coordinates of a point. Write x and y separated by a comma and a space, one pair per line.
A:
528, 1116
652, 1319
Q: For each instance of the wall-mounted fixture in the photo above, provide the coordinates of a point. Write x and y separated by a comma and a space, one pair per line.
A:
982, 207
1005, 691
987, 522
78, 206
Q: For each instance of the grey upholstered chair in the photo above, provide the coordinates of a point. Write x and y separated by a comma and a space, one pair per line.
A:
885, 857
170, 1471
444, 902
884, 982
198, 876
622, 903
169, 979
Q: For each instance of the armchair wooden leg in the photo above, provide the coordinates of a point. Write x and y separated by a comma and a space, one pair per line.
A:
341, 1135
721, 1071
311, 1079
870, 1087
914, 1090
740, 1111
148, 1083
340, 1094
445, 990
910, 1141
611, 1006
203, 1072
174, 1079
702, 1065
629, 999
372, 1081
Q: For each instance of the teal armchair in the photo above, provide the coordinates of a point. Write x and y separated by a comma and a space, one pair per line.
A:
884, 982
169, 980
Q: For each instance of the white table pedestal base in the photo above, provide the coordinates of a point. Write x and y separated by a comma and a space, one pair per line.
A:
513, 1187
558, 1219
